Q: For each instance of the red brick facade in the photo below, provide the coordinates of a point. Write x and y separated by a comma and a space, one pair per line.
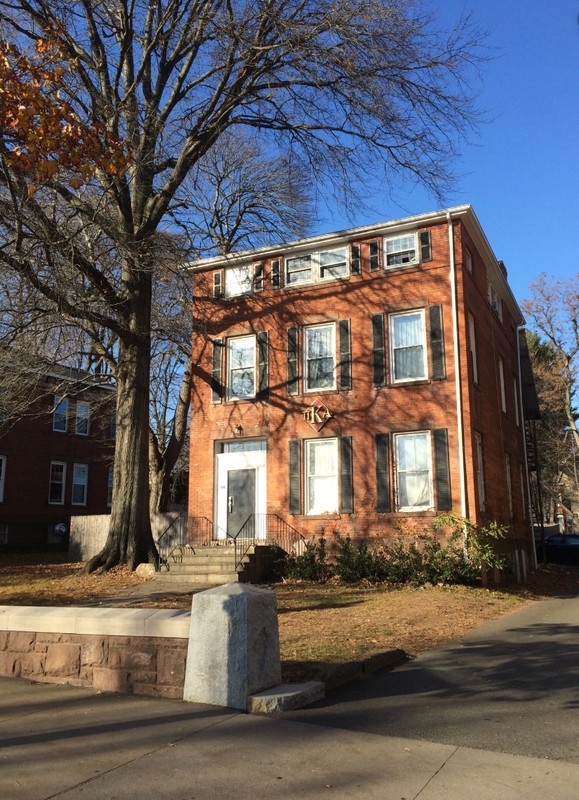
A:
51, 469
366, 326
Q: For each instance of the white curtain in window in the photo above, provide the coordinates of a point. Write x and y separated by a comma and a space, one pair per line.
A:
320, 357
413, 467
322, 477
409, 346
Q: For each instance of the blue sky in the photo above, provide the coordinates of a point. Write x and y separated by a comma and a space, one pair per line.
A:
521, 172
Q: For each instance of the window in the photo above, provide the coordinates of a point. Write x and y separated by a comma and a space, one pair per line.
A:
79, 484
401, 250
413, 461
2, 477
495, 302
82, 418
479, 469
502, 385
407, 346
472, 347
57, 482
319, 357
239, 280
321, 457
318, 266
60, 414
298, 270
468, 260
110, 474
333, 263
241, 368
516, 398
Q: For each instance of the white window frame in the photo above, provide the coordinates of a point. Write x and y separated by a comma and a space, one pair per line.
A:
480, 471
472, 346
110, 478
331, 494
239, 280
82, 419
2, 477
318, 266
231, 343
502, 387
403, 254
60, 413
398, 471
306, 331
79, 471
495, 301
306, 266
468, 259
62, 483
394, 347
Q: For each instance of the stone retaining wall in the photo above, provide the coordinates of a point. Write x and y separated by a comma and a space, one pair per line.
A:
137, 651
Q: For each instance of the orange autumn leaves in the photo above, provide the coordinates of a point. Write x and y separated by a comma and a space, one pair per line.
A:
40, 133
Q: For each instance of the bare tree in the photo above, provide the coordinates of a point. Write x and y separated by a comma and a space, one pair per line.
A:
346, 87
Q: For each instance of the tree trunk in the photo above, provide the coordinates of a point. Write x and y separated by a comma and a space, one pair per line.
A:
130, 541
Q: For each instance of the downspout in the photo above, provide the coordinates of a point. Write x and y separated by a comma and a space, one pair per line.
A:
522, 418
459, 409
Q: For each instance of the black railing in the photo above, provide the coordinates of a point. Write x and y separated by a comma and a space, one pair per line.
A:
266, 529
183, 534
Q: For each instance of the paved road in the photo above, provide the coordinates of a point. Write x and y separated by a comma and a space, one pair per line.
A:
511, 686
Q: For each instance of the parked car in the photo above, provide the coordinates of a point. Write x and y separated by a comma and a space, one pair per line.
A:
560, 548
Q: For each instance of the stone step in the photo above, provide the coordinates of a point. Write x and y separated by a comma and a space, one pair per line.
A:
209, 578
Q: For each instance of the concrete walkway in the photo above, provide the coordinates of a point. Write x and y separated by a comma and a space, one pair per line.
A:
66, 742
430, 730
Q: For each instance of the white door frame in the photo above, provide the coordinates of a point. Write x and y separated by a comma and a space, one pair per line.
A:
224, 463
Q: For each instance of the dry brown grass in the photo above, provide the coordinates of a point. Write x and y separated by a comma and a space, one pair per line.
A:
320, 625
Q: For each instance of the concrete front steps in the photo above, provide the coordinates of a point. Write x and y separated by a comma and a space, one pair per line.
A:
211, 565
214, 565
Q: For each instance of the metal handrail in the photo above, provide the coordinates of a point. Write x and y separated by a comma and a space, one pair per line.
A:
192, 531
266, 529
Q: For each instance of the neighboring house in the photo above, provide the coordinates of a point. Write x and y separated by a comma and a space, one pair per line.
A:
360, 382
56, 461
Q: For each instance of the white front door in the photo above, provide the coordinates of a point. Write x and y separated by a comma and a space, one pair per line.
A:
240, 492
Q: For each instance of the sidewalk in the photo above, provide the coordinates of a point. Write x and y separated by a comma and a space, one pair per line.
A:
66, 742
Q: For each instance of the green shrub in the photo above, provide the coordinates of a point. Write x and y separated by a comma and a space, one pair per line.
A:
311, 565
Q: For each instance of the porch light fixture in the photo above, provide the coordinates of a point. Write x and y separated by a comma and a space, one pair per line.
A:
238, 430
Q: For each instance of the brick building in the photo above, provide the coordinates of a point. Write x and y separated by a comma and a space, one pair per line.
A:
56, 461
360, 382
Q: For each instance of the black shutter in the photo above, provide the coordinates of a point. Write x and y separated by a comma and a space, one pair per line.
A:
218, 284
346, 476
295, 489
216, 370
345, 355
437, 343
258, 278
425, 248
441, 466
262, 366
276, 274
382, 472
292, 361
378, 351
355, 260
374, 256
